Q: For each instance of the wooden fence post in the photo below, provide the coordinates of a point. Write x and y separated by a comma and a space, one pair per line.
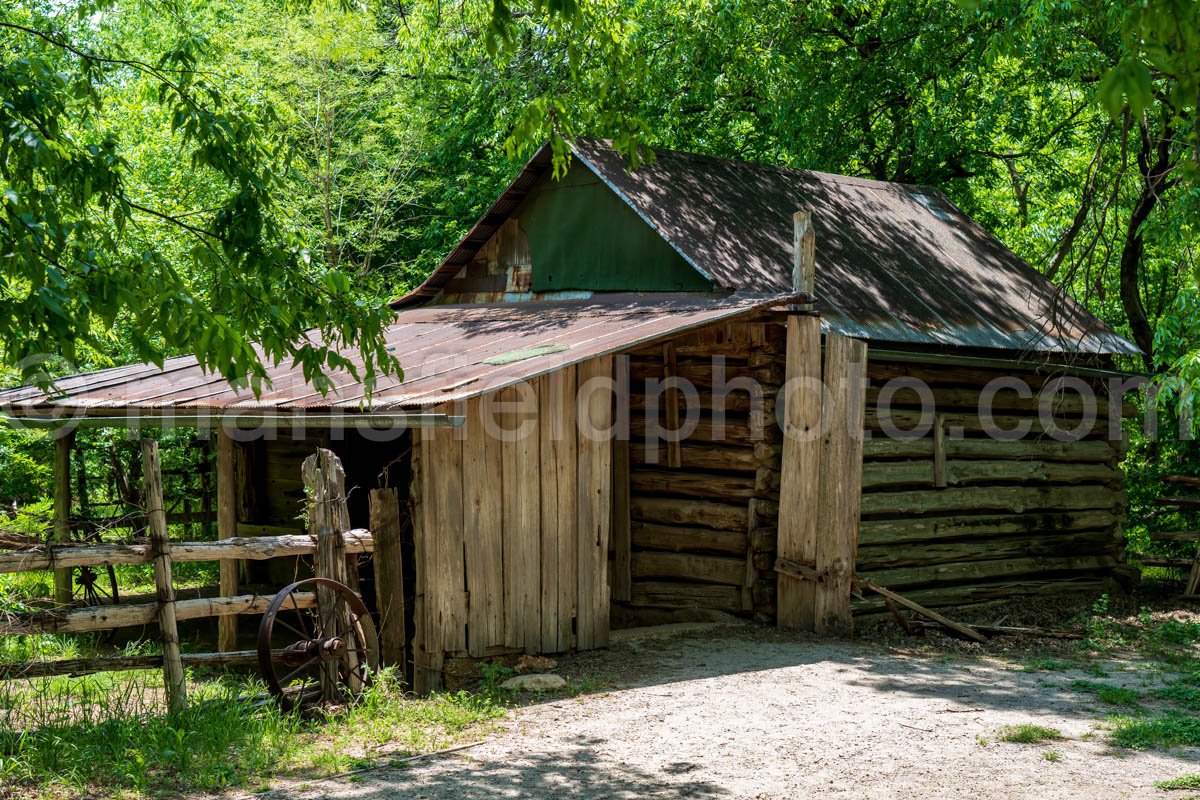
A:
841, 482
799, 491
389, 577
173, 674
227, 528
63, 588
328, 519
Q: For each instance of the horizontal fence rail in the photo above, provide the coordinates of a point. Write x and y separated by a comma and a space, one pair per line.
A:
257, 548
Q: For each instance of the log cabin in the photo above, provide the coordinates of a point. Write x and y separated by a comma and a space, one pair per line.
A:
607, 415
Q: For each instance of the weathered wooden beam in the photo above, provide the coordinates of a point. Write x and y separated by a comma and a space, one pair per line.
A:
173, 675
651, 536
909, 529
96, 618
250, 548
884, 474
227, 528
800, 467
63, 577
76, 667
689, 567
898, 599
840, 487
1014, 499
325, 488
693, 513
389, 576
803, 252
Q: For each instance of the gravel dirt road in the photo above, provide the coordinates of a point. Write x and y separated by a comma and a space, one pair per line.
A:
743, 712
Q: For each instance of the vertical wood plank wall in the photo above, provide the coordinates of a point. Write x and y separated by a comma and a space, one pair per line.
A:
512, 531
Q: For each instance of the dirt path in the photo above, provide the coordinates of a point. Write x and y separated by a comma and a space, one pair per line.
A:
744, 713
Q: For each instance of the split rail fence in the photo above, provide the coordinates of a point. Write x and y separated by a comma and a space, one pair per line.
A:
330, 537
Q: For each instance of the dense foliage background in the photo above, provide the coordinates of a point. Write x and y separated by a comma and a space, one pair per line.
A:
172, 170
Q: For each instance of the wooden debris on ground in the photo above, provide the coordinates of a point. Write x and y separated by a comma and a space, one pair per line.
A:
894, 601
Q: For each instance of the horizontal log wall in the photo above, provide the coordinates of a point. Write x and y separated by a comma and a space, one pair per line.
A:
962, 520
957, 518
702, 510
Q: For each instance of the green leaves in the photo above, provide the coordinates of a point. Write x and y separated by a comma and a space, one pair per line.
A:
1127, 85
198, 262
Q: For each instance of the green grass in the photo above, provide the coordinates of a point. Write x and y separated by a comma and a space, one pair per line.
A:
1108, 694
1171, 729
1182, 782
1048, 665
1053, 756
107, 732
1028, 734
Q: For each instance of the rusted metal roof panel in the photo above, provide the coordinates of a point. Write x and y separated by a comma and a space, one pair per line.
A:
448, 353
894, 263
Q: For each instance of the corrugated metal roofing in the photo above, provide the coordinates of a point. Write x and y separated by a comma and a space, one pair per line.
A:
894, 263
447, 352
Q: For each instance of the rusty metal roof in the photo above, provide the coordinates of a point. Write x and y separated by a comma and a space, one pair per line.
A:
448, 353
894, 263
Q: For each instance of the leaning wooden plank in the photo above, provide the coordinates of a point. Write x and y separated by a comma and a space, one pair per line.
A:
95, 618
800, 467
991, 591
964, 630
840, 491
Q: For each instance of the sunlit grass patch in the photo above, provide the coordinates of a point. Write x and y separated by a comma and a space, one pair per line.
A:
1182, 782
1162, 731
109, 732
1028, 733
1109, 694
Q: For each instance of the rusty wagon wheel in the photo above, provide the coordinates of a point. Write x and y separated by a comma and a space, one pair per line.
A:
305, 652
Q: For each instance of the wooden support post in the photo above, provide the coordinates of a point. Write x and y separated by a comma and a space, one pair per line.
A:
389, 576
801, 469
840, 491
63, 585
803, 252
227, 528
328, 519
173, 674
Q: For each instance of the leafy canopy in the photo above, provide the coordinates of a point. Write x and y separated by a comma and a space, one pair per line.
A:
91, 247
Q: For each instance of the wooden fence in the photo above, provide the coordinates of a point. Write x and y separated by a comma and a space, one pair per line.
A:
330, 541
